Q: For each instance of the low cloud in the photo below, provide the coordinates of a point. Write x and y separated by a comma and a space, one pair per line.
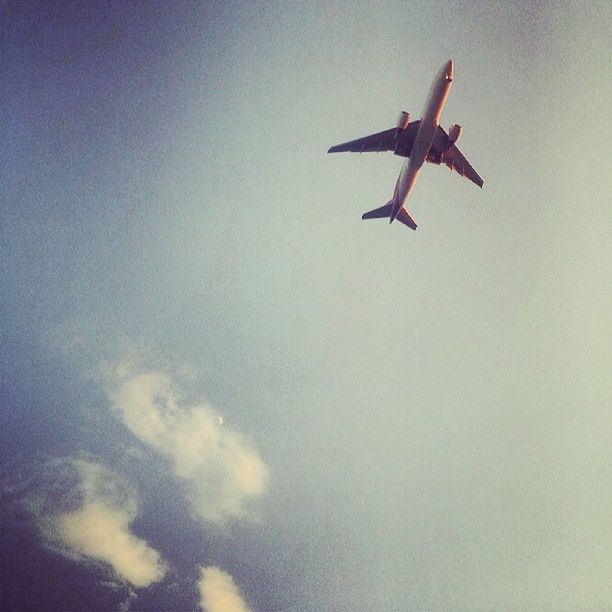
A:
218, 592
86, 511
220, 470
101, 532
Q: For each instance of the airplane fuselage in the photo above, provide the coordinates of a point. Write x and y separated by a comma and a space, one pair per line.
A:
424, 138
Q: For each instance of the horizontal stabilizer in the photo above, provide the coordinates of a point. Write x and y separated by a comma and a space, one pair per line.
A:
406, 219
378, 213
385, 212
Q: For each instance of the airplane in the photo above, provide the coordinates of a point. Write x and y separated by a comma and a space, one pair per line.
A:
418, 141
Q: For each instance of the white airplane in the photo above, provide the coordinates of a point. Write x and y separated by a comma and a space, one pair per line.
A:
419, 141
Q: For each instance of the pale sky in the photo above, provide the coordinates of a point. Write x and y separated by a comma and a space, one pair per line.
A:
265, 402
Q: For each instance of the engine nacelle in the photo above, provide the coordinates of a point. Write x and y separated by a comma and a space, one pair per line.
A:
454, 133
403, 120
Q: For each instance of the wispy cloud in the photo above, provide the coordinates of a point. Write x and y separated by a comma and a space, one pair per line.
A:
218, 592
86, 510
220, 470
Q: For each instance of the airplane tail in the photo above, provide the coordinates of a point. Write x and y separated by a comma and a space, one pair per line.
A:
385, 212
379, 213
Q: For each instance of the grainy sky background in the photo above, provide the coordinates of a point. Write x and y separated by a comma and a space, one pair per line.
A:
218, 382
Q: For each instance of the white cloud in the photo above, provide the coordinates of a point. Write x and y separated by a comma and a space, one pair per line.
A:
220, 470
101, 532
88, 512
218, 592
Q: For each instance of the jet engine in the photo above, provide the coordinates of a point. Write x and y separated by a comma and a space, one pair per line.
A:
403, 120
454, 133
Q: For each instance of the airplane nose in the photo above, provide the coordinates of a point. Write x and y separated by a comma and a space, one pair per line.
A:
449, 70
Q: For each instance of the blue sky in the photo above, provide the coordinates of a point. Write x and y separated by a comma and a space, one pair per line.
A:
211, 361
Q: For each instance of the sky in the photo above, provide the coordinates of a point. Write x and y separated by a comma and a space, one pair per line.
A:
221, 390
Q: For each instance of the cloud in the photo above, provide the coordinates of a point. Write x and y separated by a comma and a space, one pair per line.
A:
85, 510
101, 532
218, 592
220, 470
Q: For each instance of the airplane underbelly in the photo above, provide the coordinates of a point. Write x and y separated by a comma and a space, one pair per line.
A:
407, 180
436, 100
410, 170
422, 144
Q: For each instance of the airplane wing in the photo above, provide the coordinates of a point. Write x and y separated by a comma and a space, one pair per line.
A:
382, 141
456, 161
453, 158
